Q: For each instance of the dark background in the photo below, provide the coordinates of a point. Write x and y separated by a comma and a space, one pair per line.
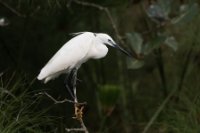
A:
160, 87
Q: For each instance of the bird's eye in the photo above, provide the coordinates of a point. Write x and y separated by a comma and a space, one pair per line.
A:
109, 40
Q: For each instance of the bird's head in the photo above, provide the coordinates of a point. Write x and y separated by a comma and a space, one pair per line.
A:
107, 40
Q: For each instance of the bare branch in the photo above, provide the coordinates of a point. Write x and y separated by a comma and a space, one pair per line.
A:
83, 126
62, 101
12, 9
78, 111
82, 129
75, 129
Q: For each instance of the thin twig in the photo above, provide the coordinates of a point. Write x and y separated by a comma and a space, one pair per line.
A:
82, 129
75, 129
62, 101
83, 126
76, 104
12, 9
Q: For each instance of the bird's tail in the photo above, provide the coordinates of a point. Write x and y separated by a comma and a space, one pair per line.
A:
41, 75
46, 76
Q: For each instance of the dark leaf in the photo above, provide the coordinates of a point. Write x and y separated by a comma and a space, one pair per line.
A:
165, 6
154, 44
159, 11
172, 43
135, 41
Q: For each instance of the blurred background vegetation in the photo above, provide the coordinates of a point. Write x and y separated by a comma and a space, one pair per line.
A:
157, 92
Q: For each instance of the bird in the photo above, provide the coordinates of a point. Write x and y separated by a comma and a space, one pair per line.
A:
69, 58
82, 47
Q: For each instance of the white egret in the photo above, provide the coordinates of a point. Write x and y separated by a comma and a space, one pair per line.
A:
84, 46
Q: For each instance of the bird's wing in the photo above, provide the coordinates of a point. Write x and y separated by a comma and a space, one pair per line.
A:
71, 54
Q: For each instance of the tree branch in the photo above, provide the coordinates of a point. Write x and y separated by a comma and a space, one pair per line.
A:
82, 129
58, 102
78, 111
74, 129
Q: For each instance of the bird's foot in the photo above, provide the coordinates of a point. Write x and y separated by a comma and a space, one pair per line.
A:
78, 112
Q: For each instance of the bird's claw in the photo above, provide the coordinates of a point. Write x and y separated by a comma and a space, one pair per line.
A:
78, 112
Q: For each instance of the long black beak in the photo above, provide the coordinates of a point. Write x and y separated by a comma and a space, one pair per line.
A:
122, 50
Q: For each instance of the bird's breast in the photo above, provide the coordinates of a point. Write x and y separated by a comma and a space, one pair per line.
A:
98, 51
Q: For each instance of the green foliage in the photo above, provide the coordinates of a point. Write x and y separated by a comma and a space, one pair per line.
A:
18, 109
159, 11
165, 6
135, 41
108, 96
172, 43
154, 43
183, 117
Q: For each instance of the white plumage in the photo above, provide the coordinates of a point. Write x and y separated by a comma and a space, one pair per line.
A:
84, 46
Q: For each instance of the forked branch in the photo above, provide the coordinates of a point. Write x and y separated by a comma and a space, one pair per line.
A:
78, 111
59, 101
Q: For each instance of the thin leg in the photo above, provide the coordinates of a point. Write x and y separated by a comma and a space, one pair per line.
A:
71, 84
74, 79
78, 109
67, 83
